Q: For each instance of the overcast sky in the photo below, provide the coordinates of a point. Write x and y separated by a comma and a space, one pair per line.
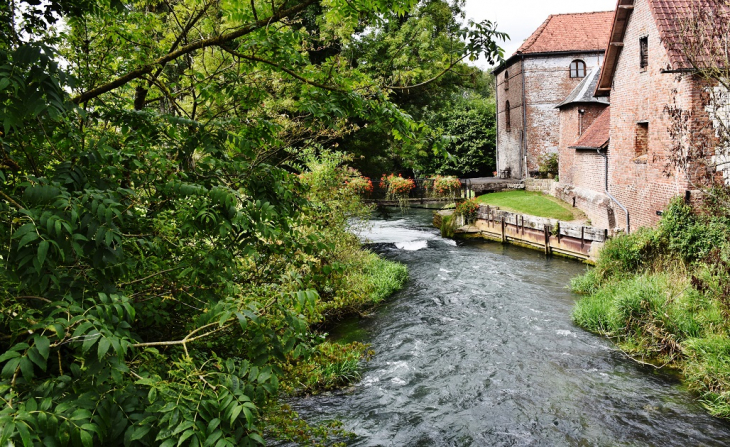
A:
519, 18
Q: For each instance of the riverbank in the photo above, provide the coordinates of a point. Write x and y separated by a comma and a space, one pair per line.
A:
479, 349
663, 296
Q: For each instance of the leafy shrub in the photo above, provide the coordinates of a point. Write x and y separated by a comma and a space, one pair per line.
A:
548, 164
690, 235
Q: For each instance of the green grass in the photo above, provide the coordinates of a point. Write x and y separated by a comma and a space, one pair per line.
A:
532, 203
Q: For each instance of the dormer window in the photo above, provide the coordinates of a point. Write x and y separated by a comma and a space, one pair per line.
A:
506, 80
577, 69
643, 53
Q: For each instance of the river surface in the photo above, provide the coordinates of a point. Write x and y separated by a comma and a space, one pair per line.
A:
479, 350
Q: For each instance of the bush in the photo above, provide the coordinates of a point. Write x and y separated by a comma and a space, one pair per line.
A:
664, 295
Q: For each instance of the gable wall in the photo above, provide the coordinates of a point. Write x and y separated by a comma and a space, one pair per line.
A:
547, 83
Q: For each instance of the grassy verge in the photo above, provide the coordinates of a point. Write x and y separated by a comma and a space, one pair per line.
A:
663, 295
533, 203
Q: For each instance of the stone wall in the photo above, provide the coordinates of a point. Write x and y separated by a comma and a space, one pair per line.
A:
509, 140
546, 186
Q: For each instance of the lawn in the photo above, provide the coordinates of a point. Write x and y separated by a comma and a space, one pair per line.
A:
533, 203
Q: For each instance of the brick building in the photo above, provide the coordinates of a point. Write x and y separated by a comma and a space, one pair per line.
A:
545, 70
643, 77
584, 126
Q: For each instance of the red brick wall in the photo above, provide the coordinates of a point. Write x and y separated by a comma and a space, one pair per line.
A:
641, 183
578, 167
547, 83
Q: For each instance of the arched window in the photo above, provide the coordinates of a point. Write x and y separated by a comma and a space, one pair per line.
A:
506, 80
507, 118
577, 69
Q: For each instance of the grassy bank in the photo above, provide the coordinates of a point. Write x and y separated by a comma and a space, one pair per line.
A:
532, 203
663, 295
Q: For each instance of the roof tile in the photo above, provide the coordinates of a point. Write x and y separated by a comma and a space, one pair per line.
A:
570, 32
597, 135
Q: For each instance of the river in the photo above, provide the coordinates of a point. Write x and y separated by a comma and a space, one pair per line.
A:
479, 350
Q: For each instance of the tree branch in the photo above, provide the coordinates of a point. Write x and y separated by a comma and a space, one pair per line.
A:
453, 64
203, 43
284, 69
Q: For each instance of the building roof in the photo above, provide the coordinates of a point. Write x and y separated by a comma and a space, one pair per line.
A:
564, 33
597, 135
584, 92
570, 32
669, 16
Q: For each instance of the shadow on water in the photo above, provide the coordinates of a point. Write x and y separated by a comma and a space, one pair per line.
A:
479, 350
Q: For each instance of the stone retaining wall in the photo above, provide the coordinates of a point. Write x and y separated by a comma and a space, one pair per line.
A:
548, 235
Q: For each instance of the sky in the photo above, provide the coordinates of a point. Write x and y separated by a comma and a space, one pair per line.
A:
520, 18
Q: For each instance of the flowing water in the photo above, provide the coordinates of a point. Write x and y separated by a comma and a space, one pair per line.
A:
479, 350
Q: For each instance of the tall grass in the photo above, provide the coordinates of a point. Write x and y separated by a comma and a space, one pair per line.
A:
663, 295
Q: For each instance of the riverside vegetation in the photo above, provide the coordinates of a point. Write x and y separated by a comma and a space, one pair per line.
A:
663, 295
173, 221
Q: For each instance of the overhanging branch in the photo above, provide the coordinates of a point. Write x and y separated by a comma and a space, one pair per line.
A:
200, 44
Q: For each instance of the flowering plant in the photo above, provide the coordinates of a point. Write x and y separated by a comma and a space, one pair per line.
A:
397, 186
446, 186
359, 185
468, 209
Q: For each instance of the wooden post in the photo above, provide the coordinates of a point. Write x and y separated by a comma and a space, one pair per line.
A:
546, 229
582, 236
504, 233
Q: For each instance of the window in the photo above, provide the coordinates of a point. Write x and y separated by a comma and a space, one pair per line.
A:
577, 69
643, 53
507, 118
642, 139
506, 80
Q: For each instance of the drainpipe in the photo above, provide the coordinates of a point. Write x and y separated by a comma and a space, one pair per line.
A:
523, 168
628, 222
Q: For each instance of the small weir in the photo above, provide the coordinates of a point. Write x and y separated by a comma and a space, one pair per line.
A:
479, 350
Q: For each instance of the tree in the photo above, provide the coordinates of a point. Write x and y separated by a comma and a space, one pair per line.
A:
160, 264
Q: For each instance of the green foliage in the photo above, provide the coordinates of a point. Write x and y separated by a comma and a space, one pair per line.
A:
527, 202
384, 277
468, 143
662, 295
693, 236
548, 164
